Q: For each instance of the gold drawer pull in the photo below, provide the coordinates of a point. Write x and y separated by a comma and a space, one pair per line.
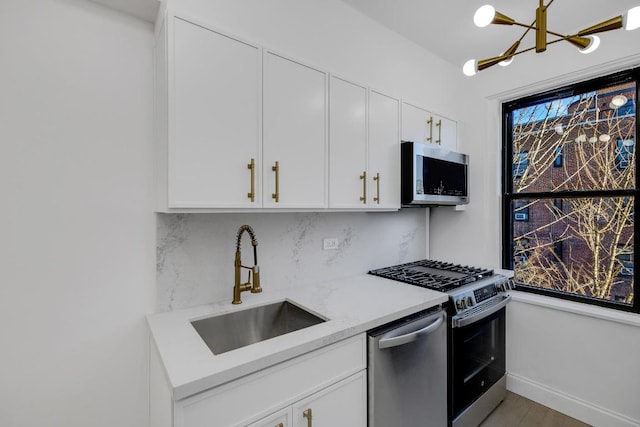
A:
439, 126
309, 416
276, 169
252, 167
377, 180
280, 425
363, 177
430, 123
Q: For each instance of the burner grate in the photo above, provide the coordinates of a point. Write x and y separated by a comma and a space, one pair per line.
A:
431, 274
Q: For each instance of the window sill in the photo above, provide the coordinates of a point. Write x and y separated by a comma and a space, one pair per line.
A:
577, 308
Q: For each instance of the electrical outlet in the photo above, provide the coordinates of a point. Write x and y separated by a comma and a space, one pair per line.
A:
330, 244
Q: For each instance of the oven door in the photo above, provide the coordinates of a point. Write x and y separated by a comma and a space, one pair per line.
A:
477, 364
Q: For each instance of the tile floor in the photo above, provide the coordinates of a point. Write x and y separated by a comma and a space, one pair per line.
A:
517, 411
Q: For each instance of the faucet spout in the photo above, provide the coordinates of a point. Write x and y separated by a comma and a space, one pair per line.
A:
239, 287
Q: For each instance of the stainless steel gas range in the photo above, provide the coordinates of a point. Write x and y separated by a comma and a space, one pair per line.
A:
475, 332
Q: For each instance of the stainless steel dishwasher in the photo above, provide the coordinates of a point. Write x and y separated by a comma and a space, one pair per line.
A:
407, 371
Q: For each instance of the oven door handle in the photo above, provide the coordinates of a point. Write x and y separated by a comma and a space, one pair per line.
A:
464, 321
390, 340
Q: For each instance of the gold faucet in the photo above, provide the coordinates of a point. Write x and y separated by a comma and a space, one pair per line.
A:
255, 270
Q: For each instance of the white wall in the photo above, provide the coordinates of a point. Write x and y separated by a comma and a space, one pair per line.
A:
584, 366
77, 230
591, 352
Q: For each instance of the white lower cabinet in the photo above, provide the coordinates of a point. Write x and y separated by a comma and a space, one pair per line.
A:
282, 418
328, 385
342, 404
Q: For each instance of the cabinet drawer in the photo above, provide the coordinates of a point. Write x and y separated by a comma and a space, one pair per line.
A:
256, 395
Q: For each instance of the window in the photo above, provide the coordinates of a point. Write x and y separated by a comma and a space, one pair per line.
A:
624, 153
521, 212
520, 164
569, 195
557, 250
557, 162
627, 109
625, 258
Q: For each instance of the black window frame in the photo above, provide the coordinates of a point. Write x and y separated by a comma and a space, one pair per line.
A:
508, 195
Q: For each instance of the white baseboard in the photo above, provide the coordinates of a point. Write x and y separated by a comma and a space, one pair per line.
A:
569, 405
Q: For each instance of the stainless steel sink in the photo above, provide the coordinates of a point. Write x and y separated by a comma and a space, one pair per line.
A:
241, 328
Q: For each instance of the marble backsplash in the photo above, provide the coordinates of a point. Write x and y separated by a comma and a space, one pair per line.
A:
195, 252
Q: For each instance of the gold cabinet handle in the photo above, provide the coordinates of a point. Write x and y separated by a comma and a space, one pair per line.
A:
430, 123
280, 425
377, 180
363, 177
276, 169
439, 126
309, 416
252, 194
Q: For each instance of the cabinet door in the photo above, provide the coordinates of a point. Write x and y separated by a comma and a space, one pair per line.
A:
445, 132
294, 134
342, 404
214, 128
347, 144
384, 151
279, 419
415, 124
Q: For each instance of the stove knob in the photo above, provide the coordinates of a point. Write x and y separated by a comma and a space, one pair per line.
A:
461, 304
469, 302
502, 286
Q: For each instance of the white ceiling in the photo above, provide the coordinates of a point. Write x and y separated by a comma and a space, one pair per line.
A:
143, 9
446, 27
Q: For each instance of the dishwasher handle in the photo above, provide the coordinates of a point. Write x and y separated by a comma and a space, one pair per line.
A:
389, 339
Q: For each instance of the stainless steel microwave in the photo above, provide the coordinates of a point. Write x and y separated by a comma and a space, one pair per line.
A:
433, 176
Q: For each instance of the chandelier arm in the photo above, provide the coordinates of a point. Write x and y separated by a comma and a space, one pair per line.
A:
559, 35
523, 51
528, 27
524, 34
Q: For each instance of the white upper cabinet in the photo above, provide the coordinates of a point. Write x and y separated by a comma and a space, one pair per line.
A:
214, 119
347, 144
384, 151
240, 127
294, 134
445, 132
420, 125
415, 126
364, 162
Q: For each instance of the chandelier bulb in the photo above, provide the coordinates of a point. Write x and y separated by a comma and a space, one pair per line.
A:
631, 19
470, 67
484, 15
506, 62
595, 42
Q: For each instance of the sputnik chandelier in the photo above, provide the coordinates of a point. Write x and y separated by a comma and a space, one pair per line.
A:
585, 40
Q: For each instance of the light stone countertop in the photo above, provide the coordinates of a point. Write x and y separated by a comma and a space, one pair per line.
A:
352, 306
